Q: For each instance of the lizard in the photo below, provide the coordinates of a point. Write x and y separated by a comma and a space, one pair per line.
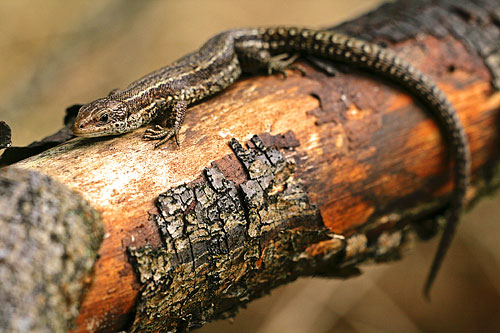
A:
165, 94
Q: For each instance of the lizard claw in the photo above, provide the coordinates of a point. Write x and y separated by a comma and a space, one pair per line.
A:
162, 134
298, 68
280, 63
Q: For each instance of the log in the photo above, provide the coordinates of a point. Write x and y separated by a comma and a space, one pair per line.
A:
343, 170
48, 246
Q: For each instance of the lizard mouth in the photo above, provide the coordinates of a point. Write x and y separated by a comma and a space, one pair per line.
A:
81, 130
78, 130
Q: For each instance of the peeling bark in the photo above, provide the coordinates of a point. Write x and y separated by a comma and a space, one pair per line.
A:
217, 236
226, 244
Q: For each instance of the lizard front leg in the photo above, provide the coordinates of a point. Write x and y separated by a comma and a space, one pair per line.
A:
164, 132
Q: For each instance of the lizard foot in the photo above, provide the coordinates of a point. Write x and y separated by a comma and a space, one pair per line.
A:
282, 62
162, 134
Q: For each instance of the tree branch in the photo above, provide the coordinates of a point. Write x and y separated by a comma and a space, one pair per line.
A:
195, 232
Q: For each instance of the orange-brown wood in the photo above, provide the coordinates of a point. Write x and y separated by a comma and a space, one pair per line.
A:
366, 149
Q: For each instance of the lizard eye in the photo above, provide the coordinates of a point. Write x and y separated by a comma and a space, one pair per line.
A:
103, 118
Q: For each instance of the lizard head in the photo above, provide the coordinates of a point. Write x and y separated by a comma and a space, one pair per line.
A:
104, 116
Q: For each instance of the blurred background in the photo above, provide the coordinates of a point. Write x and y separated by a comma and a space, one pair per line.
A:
57, 53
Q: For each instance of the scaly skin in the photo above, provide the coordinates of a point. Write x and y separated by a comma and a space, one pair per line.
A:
166, 93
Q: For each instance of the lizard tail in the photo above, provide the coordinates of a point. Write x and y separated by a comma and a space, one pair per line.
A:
334, 46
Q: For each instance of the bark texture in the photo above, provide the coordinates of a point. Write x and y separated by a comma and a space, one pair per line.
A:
197, 231
48, 244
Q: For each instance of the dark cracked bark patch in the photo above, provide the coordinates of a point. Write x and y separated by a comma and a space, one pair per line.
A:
236, 242
226, 243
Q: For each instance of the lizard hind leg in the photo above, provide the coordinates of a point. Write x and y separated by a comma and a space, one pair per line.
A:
281, 62
163, 132
254, 60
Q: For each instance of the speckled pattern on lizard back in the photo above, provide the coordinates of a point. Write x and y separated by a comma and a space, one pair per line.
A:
165, 94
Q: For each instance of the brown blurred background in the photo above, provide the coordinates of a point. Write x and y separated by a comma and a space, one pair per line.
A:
57, 53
